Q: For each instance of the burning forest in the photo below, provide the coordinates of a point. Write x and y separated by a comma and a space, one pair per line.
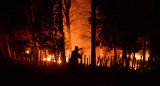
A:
79, 39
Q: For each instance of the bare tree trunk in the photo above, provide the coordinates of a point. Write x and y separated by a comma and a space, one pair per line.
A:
93, 40
32, 18
124, 56
144, 51
60, 26
8, 47
133, 60
67, 8
115, 54
111, 64
31, 12
128, 61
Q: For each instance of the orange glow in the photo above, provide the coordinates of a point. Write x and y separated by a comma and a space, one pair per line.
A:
135, 68
59, 61
138, 57
102, 54
44, 59
98, 64
67, 56
27, 52
49, 58
67, 59
79, 27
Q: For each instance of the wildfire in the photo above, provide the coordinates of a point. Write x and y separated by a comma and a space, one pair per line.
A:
48, 58
59, 61
67, 59
138, 57
27, 52
67, 56
98, 64
51, 58
102, 54
135, 68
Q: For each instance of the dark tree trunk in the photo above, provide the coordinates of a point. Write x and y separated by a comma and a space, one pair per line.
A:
133, 60
144, 51
128, 61
115, 54
111, 63
60, 26
124, 56
32, 22
93, 40
68, 6
8, 47
31, 13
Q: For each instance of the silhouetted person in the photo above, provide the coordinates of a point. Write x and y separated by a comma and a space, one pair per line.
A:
73, 62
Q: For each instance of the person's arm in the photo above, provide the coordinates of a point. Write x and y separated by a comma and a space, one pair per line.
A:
79, 56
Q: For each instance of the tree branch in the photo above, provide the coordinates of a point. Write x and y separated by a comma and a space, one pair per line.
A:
87, 26
85, 36
77, 19
64, 10
77, 7
80, 13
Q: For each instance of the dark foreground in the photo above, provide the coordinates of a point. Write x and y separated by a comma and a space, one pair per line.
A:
19, 75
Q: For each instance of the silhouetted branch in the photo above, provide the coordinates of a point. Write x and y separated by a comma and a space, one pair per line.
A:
80, 13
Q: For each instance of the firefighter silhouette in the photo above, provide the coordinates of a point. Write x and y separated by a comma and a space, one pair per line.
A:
73, 62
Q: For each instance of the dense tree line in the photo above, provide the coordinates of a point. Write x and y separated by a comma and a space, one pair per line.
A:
40, 19
129, 25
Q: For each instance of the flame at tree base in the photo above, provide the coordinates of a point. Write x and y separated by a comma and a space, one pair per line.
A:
51, 58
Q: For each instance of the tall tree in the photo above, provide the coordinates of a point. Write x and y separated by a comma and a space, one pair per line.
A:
33, 29
120, 28
60, 26
66, 10
152, 17
93, 34
10, 22
49, 37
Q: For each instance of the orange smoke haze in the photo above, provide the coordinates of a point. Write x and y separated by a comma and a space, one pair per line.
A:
81, 31
80, 27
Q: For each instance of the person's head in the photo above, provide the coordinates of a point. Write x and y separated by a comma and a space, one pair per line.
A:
76, 48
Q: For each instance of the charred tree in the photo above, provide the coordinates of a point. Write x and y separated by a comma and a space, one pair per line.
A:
115, 54
144, 51
33, 31
124, 57
67, 4
93, 34
60, 26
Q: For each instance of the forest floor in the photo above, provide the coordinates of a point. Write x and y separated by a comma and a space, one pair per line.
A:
20, 75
